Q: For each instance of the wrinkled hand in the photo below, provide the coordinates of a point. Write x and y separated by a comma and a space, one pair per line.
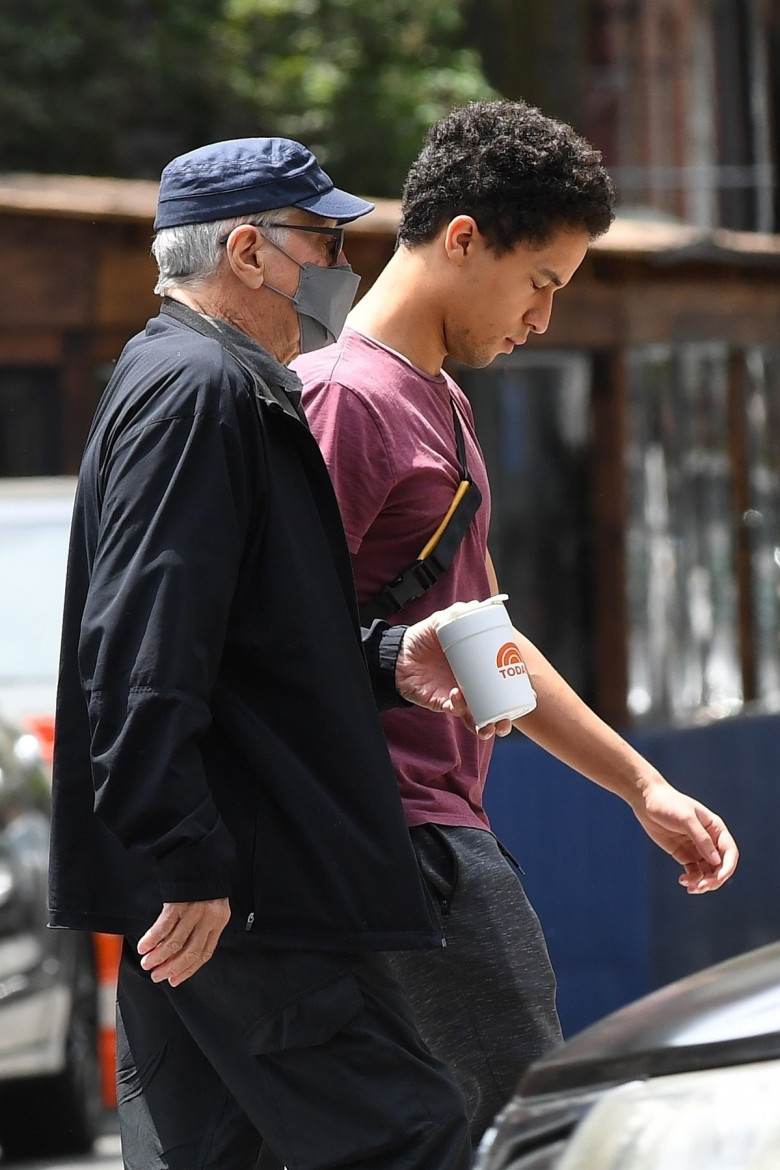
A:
694, 836
424, 677
182, 939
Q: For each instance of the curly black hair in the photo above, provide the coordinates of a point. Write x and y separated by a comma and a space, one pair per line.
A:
521, 175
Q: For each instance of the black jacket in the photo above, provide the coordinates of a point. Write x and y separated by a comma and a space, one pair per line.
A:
217, 734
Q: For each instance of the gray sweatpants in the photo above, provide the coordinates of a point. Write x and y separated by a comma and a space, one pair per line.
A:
485, 1004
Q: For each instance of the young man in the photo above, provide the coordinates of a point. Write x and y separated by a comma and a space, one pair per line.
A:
497, 214
223, 795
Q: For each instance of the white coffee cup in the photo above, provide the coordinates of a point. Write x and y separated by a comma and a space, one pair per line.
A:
481, 649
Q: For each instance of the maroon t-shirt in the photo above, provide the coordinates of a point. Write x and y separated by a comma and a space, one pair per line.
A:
387, 434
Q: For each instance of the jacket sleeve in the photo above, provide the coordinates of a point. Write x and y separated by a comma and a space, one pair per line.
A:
381, 643
174, 513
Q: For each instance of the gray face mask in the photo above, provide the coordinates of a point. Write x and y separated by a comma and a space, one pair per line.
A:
322, 300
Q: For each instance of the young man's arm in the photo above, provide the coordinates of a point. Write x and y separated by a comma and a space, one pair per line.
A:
567, 728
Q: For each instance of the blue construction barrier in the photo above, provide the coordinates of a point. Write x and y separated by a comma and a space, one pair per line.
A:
616, 921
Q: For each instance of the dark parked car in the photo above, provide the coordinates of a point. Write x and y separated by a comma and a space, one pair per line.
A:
51, 982
687, 1078
50, 1094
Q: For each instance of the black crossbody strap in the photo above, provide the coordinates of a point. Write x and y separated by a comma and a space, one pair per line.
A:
439, 552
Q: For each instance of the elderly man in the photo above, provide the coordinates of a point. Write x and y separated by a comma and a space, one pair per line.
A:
223, 794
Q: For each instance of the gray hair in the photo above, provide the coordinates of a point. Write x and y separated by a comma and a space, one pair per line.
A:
188, 254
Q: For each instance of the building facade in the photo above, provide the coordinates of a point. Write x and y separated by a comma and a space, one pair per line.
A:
681, 96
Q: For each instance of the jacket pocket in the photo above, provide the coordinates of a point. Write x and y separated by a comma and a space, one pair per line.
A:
310, 1020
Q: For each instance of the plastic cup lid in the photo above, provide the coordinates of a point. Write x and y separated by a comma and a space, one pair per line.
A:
465, 607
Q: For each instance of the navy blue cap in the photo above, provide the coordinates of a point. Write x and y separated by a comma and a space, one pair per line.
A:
247, 175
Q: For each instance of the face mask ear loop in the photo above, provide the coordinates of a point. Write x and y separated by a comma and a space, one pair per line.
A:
286, 296
284, 252
279, 248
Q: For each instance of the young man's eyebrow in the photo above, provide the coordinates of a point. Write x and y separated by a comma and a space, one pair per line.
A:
553, 277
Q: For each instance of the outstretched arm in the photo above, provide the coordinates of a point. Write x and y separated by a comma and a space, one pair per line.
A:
567, 728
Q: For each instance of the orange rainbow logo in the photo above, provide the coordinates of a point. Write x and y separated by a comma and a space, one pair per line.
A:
508, 655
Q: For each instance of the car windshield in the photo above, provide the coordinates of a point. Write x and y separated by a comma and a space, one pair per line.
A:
33, 552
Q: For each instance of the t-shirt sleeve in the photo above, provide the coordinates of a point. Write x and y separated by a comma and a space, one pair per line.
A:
351, 437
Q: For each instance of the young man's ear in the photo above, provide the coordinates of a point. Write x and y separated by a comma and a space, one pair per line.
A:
460, 237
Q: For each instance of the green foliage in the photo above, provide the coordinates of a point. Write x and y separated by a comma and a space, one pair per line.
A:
103, 86
357, 81
120, 86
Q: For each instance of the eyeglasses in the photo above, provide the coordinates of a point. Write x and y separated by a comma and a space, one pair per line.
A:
336, 235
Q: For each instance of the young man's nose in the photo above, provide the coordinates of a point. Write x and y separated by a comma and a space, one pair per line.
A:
537, 318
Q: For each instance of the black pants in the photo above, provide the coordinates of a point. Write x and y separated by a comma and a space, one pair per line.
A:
316, 1055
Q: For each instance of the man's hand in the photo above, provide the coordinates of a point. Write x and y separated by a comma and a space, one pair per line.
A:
182, 939
423, 675
693, 835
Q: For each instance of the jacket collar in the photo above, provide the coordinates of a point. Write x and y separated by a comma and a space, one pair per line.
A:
274, 382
